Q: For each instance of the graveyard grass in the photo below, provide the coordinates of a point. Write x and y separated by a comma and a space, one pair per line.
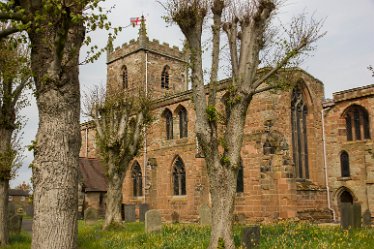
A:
178, 236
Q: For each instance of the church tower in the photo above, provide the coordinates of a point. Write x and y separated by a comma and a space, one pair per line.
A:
157, 68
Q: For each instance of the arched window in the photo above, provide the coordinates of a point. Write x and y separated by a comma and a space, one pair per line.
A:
299, 133
240, 179
179, 177
165, 77
168, 124
137, 180
344, 164
183, 128
357, 123
125, 83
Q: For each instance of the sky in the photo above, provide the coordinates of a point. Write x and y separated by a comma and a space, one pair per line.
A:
340, 61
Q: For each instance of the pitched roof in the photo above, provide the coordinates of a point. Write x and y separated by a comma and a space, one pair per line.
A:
18, 192
92, 173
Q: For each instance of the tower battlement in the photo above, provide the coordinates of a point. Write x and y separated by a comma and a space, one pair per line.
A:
143, 43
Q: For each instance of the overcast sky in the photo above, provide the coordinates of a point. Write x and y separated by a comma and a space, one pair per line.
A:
340, 60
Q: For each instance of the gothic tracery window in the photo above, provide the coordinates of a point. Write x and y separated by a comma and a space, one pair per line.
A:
165, 77
357, 123
299, 112
168, 124
136, 175
183, 128
344, 164
179, 177
125, 83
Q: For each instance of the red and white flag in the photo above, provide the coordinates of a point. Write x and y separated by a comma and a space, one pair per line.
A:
135, 21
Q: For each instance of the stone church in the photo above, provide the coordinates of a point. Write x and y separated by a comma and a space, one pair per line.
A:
301, 157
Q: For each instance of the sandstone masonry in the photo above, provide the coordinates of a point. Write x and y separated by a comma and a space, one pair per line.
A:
283, 172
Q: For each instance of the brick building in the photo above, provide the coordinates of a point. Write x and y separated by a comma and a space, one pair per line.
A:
349, 145
92, 186
282, 173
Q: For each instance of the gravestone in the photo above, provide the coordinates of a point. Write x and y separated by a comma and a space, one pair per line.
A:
143, 208
239, 218
130, 215
90, 214
366, 218
152, 221
174, 217
356, 218
251, 236
346, 213
205, 215
30, 210
15, 224
11, 209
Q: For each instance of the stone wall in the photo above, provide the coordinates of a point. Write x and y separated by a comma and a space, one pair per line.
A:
88, 147
271, 189
360, 182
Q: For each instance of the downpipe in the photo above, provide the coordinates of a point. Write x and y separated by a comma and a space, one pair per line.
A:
325, 166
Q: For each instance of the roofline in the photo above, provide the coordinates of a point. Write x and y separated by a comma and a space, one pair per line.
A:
353, 89
185, 95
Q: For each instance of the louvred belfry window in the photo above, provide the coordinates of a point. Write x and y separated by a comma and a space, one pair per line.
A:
183, 127
168, 124
125, 83
165, 77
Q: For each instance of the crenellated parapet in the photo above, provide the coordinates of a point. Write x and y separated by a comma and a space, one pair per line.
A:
153, 46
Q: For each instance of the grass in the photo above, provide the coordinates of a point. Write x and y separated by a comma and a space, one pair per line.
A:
282, 235
19, 241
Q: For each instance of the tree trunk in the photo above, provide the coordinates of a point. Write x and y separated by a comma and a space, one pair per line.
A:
4, 186
56, 152
222, 189
113, 197
5, 169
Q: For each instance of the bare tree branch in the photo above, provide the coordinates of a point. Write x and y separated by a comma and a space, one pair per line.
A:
280, 64
217, 8
264, 89
6, 32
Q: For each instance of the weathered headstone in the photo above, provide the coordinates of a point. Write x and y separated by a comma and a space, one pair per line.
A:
240, 218
90, 214
143, 208
174, 217
11, 209
153, 221
366, 218
205, 215
30, 210
356, 218
15, 223
130, 213
251, 236
346, 213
